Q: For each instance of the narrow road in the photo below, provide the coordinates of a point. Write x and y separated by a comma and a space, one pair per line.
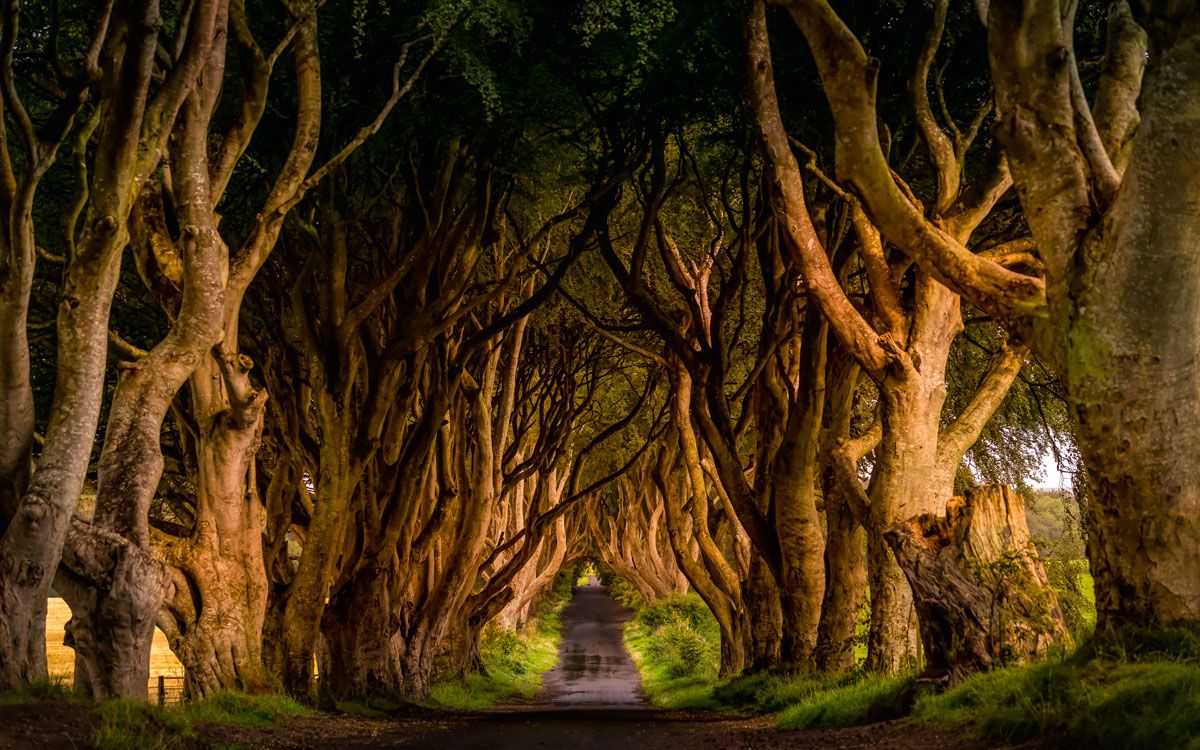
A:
594, 669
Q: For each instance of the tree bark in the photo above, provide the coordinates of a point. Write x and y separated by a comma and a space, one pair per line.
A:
845, 587
980, 589
214, 618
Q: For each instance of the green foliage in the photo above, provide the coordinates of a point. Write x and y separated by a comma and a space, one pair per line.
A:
1101, 704
676, 645
689, 609
680, 648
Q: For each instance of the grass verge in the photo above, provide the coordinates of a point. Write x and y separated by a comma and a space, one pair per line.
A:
1102, 704
513, 662
137, 725
676, 645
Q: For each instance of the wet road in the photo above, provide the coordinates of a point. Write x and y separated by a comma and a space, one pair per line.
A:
594, 669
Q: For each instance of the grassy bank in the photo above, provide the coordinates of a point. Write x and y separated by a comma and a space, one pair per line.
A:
137, 725
1141, 692
676, 646
513, 662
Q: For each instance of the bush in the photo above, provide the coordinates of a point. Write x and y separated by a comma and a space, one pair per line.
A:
676, 645
688, 608
680, 648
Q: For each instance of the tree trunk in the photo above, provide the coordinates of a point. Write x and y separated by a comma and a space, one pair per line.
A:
214, 621
1133, 363
980, 589
32, 543
765, 614
845, 586
359, 627
892, 641
111, 625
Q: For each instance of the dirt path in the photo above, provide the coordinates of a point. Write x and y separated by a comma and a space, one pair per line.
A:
594, 669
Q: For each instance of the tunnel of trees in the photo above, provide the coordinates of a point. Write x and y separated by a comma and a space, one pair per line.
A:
331, 332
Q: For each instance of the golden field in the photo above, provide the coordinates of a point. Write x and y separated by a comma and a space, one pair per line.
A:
61, 658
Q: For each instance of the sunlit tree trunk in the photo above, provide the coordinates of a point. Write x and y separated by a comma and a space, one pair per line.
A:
132, 129
109, 577
1111, 195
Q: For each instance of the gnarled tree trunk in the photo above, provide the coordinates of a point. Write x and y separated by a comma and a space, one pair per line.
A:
979, 587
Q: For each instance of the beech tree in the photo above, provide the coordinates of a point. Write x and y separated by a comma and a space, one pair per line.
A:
1082, 172
903, 349
136, 100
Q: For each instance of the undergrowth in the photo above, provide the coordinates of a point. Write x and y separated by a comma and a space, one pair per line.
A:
1101, 698
130, 725
676, 645
513, 662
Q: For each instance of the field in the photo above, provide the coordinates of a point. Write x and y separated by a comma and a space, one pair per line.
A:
61, 658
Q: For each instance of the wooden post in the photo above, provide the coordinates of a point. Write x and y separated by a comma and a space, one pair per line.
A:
162, 690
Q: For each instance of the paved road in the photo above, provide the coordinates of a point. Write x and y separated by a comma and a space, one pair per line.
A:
594, 669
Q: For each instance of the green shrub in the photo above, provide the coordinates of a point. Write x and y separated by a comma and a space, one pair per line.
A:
688, 608
682, 649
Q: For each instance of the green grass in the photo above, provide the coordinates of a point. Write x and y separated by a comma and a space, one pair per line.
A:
513, 662
1102, 704
231, 708
675, 644
135, 724
55, 690
861, 700
131, 724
